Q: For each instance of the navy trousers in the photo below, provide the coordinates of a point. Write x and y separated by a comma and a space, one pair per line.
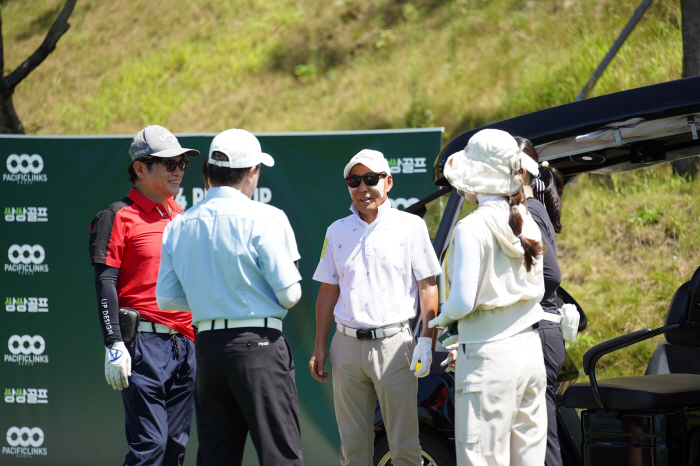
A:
554, 352
159, 402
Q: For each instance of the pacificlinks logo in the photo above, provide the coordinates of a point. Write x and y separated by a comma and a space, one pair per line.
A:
25, 169
401, 203
26, 259
26, 350
24, 442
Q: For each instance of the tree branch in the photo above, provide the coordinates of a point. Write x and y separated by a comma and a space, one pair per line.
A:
58, 28
2, 50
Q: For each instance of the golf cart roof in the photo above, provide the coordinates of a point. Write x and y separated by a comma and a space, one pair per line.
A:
611, 133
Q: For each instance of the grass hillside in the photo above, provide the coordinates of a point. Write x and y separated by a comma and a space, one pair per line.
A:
314, 65
286, 65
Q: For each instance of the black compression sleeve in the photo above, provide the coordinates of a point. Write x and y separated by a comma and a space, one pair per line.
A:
108, 302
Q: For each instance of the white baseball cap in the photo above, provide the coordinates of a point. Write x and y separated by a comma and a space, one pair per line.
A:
372, 159
241, 149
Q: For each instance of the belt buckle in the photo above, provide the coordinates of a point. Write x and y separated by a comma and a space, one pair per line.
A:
363, 334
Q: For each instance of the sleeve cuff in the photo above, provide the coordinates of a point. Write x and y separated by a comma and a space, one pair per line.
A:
423, 275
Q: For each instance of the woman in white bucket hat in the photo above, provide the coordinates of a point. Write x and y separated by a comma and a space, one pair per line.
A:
495, 272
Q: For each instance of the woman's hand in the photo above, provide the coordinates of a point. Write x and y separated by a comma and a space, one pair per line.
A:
440, 321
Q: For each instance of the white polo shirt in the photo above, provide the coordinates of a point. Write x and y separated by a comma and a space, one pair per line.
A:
377, 266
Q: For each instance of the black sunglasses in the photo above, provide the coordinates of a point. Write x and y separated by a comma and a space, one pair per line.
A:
172, 165
370, 179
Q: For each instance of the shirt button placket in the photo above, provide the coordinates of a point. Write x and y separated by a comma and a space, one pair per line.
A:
368, 249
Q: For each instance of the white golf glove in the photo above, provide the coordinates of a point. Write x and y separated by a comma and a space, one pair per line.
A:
423, 354
440, 321
118, 366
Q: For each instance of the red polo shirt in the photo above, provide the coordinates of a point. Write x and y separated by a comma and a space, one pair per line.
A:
127, 235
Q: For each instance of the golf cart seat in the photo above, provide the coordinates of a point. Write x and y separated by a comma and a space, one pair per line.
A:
647, 392
674, 359
635, 420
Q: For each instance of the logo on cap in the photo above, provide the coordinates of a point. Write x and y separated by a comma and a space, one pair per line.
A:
169, 137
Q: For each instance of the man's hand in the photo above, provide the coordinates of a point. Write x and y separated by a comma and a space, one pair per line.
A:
422, 352
440, 321
118, 366
316, 365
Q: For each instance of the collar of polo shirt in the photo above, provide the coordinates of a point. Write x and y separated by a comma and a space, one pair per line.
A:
383, 208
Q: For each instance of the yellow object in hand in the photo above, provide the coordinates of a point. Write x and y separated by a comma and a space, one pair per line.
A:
417, 367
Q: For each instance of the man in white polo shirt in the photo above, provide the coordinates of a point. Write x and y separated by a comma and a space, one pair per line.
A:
228, 260
376, 266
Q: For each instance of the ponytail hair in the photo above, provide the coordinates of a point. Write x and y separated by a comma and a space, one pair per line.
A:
548, 187
533, 249
551, 195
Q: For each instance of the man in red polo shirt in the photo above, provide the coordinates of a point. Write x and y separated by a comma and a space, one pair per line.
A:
155, 372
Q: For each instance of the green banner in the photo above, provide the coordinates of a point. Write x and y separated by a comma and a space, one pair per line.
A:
57, 408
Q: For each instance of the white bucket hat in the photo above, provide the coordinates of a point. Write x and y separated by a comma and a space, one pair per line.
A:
488, 165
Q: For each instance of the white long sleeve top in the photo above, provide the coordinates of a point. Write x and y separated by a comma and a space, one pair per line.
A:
492, 295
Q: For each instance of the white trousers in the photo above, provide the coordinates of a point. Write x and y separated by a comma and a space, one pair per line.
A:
367, 370
501, 414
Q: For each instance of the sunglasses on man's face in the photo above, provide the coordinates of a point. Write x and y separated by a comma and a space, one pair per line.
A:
172, 165
370, 179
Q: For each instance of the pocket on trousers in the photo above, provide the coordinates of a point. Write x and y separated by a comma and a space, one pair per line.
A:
290, 366
468, 407
135, 351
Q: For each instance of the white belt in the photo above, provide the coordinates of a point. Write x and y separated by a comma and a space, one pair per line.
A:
221, 324
556, 318
152, 327
370, 333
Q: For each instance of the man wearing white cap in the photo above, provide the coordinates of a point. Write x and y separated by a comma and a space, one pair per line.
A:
125, 238
376, 266
230, 262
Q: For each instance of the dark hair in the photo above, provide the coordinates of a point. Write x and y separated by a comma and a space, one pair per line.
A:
203, 171
553, 183
532, 248
224, 176
149, 160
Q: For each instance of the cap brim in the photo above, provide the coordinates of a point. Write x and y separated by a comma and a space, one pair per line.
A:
267, 160
175, 151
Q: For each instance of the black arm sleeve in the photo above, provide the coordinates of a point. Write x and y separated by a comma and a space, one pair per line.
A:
108, 302
551, 271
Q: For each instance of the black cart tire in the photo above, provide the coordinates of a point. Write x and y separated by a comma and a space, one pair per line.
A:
437, 451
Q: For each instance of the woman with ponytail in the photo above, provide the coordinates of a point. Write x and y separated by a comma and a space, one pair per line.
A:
495, 272
543, 187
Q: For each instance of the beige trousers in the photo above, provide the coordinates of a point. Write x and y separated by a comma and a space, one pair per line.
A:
367, 370
501, 414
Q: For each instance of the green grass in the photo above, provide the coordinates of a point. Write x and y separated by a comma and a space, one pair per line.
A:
284, 65
622, 271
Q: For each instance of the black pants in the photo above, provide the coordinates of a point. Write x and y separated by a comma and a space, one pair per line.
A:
554, 351
245, 382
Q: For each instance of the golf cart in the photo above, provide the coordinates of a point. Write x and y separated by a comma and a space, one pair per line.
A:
644, 420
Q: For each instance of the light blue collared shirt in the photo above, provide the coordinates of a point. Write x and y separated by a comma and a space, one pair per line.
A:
227, 255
